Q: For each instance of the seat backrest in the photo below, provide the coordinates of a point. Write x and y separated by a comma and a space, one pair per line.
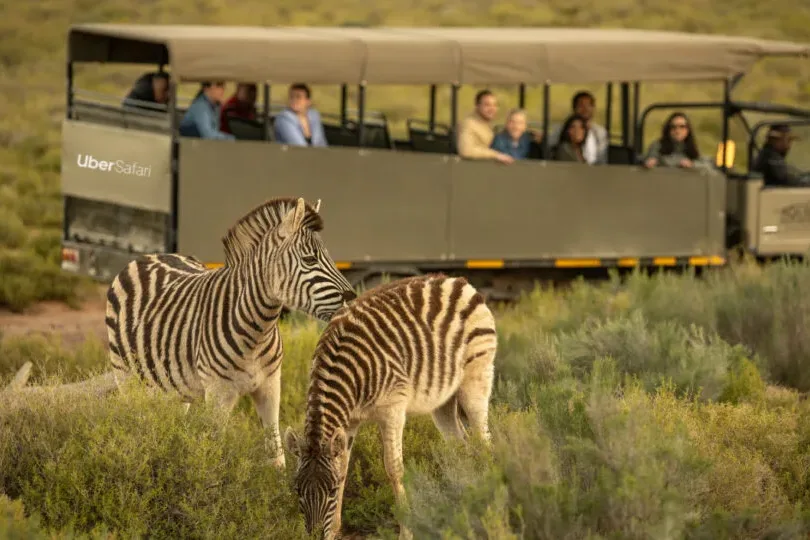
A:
375, 135
337, 135
620, 155
423, 139
245, 129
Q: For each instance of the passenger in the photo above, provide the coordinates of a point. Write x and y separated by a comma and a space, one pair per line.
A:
676, 147
475, 132
202, 117
299, 124
149, 88
573, 137
242, 104
515, 140
771, 160
595, 150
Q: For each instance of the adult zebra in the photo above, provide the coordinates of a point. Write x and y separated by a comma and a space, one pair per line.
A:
213, 334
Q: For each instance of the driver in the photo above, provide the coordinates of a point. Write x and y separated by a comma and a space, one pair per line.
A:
771, 160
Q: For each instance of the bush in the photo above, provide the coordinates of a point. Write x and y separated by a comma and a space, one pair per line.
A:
15, 525
26, 278
12, 231
182, 475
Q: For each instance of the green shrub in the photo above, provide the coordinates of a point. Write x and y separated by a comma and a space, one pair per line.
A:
25, 278
694, 360
51, 360
15, 525
138, 463
12, 230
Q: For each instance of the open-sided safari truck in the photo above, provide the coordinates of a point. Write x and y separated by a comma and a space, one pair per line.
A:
132, 185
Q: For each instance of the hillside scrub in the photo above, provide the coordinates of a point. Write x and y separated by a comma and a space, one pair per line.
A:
33, 91
649, 409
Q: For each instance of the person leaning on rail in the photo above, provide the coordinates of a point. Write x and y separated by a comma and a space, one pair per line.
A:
475, 133
573, 135
515, 139
595, 147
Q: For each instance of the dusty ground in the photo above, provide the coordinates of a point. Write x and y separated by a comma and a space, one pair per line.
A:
73, 325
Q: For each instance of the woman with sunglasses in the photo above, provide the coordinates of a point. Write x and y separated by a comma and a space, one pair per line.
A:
676, 147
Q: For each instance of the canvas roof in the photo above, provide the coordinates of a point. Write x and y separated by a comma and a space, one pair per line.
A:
325, 55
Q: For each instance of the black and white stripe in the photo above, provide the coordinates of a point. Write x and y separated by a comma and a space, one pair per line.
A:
419, 345
213, 333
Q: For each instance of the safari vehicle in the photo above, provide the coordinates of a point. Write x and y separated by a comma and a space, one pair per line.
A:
132, 185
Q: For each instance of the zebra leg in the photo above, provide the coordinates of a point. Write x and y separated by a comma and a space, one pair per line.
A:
447, 420
338, 520
475, 391
392, 425
222, 397
267, 400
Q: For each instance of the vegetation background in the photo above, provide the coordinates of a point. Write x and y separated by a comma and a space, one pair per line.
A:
666, 407
32, 64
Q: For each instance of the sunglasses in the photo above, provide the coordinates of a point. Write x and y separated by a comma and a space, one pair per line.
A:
678, 126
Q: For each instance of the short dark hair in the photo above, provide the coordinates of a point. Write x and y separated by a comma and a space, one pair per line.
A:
301, 86
581, 94
481, 94
208, 84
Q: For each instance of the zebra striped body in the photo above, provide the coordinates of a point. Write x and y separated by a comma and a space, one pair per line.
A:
418, 345
213, 334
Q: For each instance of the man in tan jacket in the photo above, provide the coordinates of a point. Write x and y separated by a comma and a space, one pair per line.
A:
475, 133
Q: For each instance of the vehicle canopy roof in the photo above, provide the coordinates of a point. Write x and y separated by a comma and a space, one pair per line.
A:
389, 55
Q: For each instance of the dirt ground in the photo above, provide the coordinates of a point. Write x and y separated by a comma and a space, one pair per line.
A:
72, 325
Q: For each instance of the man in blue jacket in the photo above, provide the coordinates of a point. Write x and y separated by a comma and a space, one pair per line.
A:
299, 124
202, 117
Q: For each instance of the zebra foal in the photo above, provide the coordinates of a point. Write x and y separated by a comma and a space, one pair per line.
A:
419, 345
213, 334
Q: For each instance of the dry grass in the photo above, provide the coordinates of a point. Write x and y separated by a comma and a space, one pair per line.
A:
670, 409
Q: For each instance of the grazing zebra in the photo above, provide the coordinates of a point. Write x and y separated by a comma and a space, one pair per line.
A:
418, 345
213, 334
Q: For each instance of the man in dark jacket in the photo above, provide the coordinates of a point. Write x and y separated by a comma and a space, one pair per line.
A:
241, 104
149, 88
771, 160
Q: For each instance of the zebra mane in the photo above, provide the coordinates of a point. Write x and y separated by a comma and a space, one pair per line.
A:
246, 233
334, 329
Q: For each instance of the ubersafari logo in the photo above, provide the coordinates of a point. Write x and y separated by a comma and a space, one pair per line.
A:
131, 168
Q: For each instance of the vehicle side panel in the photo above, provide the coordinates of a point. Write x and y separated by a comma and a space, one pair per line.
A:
784, 221
377, 205
558, 210
381, 206
116, 165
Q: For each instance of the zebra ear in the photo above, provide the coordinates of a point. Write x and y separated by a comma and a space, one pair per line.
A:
338, 443
318, 206
291, 442
294, 218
